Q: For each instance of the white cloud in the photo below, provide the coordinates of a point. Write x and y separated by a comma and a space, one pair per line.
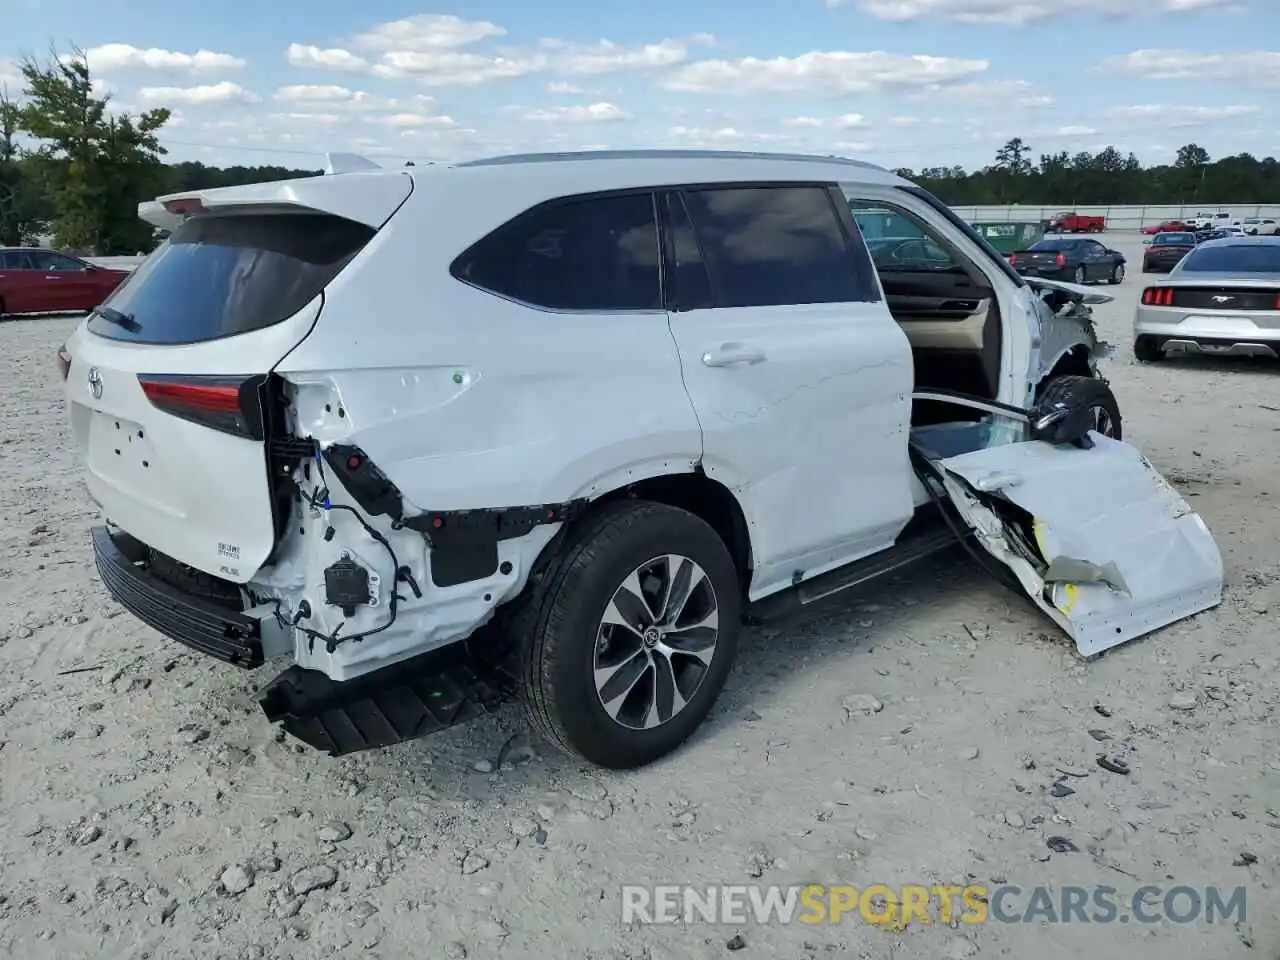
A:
1074, 131
1175, 115
1008, 93
718, 136
334, 58
1019, 12
11, 79
558, 86
834, 72
415, 120
849, 121
315, 93
426, 32
1251, 66
122, 56
590, 113
215, 93
325, 118
450, 68
605, 56
426, 49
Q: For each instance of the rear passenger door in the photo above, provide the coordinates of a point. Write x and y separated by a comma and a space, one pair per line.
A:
799, 375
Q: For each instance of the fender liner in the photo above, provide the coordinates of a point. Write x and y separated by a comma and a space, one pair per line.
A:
464, 543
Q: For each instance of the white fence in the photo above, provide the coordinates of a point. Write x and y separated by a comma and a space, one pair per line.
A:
1119, 217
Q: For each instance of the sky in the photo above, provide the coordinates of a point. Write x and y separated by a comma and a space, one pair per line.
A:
902, 83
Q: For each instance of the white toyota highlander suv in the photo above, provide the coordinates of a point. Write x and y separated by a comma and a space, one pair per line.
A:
556, 426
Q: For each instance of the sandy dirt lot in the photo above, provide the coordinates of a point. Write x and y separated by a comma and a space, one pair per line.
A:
147, 810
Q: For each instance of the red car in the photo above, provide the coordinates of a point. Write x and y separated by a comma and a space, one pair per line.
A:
1169, 226
42, 281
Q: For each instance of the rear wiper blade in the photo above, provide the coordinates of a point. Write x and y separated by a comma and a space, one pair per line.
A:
112, 315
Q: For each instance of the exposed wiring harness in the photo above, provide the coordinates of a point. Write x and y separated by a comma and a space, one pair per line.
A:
319, 499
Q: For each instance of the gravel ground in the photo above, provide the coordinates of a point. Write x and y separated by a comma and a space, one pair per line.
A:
148, 810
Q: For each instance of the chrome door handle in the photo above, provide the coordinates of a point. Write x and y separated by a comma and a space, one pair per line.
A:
733, 355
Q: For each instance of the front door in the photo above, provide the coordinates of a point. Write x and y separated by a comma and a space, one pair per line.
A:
65, 283
800, 378
1096, 537
22, 287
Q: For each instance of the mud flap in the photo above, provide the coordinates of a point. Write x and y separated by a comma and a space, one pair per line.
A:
1097, 538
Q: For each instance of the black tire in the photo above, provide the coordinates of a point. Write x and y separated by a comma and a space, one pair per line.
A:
1117, 274
1147, 350
1086, 391
1079, 276
562, 624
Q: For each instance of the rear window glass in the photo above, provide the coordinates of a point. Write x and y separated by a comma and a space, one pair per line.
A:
218, 276
1175, 238
1234, 258
596, 254
1054, 245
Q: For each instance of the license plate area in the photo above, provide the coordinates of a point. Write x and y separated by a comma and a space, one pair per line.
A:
1223, 326
120, 453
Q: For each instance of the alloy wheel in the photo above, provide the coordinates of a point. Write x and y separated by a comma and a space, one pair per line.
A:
1102, 422
656, 641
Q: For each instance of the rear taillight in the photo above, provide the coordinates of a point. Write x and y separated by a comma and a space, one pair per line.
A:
64, 361
228, 404
1276, 305
1013, 261
1157, 297
1061, 259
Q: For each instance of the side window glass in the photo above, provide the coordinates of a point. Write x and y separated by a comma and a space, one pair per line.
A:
691, 285
54, 262
595, 253
910, 246
773, 246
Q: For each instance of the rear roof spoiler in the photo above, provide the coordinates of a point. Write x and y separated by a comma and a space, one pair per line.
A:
367, 194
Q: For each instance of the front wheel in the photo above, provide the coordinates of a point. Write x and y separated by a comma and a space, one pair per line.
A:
1076, 391
634, 635
1117, 274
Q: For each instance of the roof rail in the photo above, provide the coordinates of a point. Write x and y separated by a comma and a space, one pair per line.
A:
347, 163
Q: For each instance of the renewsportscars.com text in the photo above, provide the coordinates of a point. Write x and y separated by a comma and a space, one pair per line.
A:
880, 904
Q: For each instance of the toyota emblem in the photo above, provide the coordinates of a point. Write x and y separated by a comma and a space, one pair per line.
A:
95, 383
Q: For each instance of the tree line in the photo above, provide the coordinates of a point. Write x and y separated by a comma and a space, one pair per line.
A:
71, 165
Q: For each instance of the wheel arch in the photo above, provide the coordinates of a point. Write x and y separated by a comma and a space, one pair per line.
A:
1074, 360
708, 499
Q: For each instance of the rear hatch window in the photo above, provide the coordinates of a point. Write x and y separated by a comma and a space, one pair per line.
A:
220, 275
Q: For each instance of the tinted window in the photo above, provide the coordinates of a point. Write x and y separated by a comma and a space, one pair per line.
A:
18, 260
596, 253
1181, 239
55, 262
1234, 258
770, 246
690, 283
1054, 245
222, 275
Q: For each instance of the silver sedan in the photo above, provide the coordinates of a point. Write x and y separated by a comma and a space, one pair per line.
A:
1223, 298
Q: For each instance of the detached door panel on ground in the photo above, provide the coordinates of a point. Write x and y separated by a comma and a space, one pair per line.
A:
800, 378
1096, 537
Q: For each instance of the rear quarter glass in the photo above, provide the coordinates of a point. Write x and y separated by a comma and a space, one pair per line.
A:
220, 275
